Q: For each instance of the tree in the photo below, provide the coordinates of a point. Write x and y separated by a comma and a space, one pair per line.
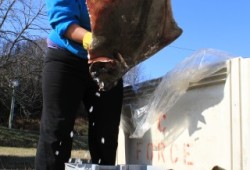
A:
20, 20
26, 69
23, 24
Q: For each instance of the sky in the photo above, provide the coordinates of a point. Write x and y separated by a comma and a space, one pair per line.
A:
219, 24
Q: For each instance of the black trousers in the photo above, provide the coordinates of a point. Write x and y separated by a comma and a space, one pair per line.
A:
67, 83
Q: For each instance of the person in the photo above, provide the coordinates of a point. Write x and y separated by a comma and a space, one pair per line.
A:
66, 84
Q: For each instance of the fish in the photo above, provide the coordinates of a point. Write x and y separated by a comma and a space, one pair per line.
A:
126, 33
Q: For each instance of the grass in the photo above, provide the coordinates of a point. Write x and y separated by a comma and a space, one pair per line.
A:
18, 148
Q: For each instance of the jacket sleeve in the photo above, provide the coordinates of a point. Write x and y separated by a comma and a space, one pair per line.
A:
61, 14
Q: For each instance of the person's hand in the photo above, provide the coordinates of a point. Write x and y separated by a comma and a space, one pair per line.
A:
100, 59
87, 39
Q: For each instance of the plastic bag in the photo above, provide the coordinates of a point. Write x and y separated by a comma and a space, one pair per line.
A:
143, 113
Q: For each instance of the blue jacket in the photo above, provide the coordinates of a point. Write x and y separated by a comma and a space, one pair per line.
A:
63, 13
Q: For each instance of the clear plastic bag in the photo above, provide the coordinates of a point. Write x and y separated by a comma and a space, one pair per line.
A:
138, 117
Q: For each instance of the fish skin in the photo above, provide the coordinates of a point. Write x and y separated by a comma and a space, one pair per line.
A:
127, 33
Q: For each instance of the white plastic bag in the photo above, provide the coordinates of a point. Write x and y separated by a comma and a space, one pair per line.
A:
145, 111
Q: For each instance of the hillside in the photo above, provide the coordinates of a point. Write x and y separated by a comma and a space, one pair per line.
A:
18, 148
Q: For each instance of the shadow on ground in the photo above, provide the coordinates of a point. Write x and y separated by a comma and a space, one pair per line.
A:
16, 162
20, 163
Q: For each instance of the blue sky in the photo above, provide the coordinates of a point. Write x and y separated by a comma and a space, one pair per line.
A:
217, 24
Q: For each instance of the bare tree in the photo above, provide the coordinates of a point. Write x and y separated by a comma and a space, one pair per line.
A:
20, 20
23, 26
26, 70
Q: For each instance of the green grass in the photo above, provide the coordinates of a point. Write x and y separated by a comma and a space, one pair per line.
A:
28, 139
18, 148
18, 138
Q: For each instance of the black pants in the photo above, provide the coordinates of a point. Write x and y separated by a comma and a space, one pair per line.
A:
67, 83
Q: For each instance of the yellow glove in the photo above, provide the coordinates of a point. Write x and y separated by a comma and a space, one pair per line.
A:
87, 39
